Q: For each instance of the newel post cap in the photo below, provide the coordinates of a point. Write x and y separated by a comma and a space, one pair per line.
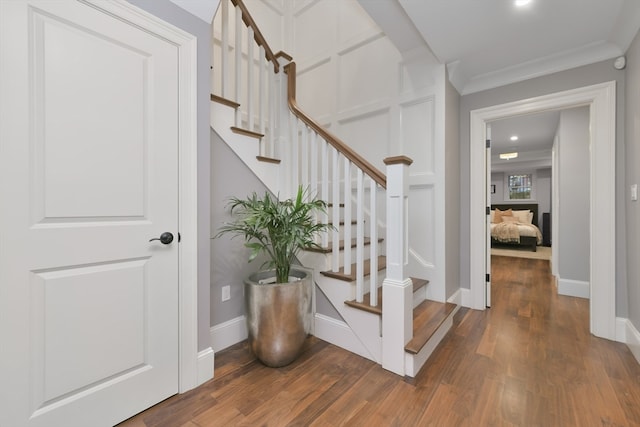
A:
398, 160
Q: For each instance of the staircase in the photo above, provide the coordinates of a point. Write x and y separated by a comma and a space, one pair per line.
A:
356, 268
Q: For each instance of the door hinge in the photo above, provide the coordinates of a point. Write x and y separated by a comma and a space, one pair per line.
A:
488, 143
488, 210
488, 278
179, 237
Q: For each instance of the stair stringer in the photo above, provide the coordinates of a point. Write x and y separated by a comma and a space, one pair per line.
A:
245, 147
365, 326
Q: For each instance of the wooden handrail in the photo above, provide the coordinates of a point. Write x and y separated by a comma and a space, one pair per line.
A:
336, 142
257, 35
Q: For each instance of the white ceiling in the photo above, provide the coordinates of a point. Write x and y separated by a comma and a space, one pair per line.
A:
489, 43
535, 139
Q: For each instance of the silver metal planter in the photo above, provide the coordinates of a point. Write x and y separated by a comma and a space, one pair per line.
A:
278, 316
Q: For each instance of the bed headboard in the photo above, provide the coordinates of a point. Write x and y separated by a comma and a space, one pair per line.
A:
533, 207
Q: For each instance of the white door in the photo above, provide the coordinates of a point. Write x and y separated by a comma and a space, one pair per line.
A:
88, 175
488, 219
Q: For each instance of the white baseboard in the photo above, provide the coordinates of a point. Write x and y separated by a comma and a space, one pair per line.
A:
465, 297
205, 365
456, 298
228, 333
338, 333
573, 288
626, 332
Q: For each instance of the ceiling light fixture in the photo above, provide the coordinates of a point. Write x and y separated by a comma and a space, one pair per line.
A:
514, 138
508, 156
520, 3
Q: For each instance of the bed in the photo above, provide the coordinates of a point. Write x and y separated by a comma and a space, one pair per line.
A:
515, 229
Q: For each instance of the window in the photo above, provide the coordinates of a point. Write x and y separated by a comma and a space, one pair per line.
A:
520, 186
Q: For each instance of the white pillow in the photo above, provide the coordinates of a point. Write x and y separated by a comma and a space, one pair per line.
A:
530, 218
522, 216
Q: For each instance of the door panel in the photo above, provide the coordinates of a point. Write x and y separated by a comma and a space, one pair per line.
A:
88, 174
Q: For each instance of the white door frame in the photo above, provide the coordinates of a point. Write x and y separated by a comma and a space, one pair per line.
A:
601, 98
187, 188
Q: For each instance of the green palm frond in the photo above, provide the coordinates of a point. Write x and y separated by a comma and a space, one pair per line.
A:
278, 228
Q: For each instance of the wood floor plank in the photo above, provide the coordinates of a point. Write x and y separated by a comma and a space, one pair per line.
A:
529, 360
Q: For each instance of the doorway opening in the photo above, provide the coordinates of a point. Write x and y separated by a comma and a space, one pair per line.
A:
600, 99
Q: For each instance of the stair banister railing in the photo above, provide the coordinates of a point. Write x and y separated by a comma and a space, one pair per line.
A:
257, 111
344, 162
315, 158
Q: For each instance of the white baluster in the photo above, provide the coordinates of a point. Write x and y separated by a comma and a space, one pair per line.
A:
313, 148
224, 50
324, 147
347, 215
238, 59
335, 254
250, 77
262, 96
295, 160
359, 238
373, 252
304, 145
274, 115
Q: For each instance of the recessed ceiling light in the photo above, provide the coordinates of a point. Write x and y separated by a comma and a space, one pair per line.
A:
508, 156
514, 138
521, 3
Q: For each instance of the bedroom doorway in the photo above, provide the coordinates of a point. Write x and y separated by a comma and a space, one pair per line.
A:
600, 99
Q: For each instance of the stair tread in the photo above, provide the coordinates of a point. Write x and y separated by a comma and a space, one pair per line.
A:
365, 304
329, 249
427, 318
246, 132
225, 101
268, 159
382, 264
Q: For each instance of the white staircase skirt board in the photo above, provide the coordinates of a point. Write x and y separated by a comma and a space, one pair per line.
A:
413, 362
205, 365
245, 147
228, 333
573, 288
340, 334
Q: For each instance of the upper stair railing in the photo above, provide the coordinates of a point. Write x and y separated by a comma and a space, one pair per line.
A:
320, 161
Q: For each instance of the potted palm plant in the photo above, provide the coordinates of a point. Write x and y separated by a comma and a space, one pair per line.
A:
278, 298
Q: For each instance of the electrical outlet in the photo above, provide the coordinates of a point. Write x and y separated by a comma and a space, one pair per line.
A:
634, 192
226, 293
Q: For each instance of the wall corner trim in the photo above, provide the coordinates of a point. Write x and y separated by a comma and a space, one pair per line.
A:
627, 333
205, 365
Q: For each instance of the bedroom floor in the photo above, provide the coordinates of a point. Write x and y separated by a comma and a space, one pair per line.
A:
542, 252
527, 361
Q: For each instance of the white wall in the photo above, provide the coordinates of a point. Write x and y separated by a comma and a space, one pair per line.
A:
572, 211
354, 81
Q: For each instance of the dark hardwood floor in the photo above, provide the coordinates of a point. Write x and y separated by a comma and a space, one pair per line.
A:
527, 361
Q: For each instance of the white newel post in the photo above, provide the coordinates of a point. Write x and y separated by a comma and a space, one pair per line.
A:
397, 289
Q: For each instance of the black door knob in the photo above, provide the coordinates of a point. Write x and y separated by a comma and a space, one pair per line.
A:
164, 238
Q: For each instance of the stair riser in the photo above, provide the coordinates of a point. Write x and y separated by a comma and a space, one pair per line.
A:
381, 251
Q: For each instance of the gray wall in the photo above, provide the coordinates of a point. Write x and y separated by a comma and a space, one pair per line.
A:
633, 177
452, 190
564, 80
172, 14
573, 194
230, 177
229, 265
